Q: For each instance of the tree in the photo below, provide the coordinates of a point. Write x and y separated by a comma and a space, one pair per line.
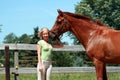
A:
24, 38
35, 37
10, 38
62, 59
27, 58
107, 11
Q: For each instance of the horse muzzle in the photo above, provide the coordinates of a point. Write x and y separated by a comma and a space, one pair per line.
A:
53, 35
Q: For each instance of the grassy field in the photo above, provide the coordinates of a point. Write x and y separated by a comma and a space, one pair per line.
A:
65, 76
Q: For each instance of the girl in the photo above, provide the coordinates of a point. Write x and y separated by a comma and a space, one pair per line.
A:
44, 50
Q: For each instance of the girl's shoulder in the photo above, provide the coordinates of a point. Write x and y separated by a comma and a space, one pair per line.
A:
40, 42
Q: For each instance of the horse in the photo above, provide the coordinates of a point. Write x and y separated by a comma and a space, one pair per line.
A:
101, 43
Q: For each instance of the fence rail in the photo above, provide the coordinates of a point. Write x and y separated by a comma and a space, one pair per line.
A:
33, 47
27, 70
18, 47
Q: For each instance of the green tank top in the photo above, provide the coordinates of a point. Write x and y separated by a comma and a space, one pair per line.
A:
46, 51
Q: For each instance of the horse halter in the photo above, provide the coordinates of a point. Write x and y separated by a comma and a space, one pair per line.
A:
64, 25
59, 29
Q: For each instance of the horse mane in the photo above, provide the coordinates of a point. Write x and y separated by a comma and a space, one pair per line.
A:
99, 22
79, 16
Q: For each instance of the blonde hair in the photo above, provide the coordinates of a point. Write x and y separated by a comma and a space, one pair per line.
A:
41, 32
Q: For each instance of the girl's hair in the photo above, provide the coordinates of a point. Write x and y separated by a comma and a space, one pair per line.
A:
41, 32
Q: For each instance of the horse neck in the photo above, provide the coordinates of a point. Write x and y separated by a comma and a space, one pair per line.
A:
82, 30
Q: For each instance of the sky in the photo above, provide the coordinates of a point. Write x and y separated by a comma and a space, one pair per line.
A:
22, 16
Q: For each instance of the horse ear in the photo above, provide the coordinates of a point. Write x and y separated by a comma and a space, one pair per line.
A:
60, 12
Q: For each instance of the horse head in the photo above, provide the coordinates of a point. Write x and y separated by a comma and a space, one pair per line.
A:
60, 26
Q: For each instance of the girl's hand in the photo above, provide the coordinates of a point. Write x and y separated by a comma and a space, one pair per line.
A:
41, 69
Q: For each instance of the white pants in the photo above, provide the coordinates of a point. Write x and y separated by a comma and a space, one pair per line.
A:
46, 73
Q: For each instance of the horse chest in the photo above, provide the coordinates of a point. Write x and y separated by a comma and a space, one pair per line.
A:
95, 48
105, 49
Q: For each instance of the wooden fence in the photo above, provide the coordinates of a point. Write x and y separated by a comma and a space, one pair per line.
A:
17, 47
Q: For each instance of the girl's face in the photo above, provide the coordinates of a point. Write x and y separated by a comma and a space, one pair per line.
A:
45, 34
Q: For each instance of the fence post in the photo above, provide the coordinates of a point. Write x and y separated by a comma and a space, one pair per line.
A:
16, 62
16, 65
7, 62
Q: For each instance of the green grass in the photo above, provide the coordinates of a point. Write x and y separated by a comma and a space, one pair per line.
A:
65, 76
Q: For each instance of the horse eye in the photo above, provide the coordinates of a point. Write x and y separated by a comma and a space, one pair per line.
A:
58, 22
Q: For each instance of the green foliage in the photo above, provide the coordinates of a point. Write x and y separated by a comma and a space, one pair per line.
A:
10, 38
2, 59
24, 38
75, 40
27, 58
35, 37
81, 59
107, 11
62, 59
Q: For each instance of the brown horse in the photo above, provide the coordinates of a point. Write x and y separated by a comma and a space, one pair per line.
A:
102, 44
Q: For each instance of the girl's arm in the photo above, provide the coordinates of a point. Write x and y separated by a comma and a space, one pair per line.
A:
39, 57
